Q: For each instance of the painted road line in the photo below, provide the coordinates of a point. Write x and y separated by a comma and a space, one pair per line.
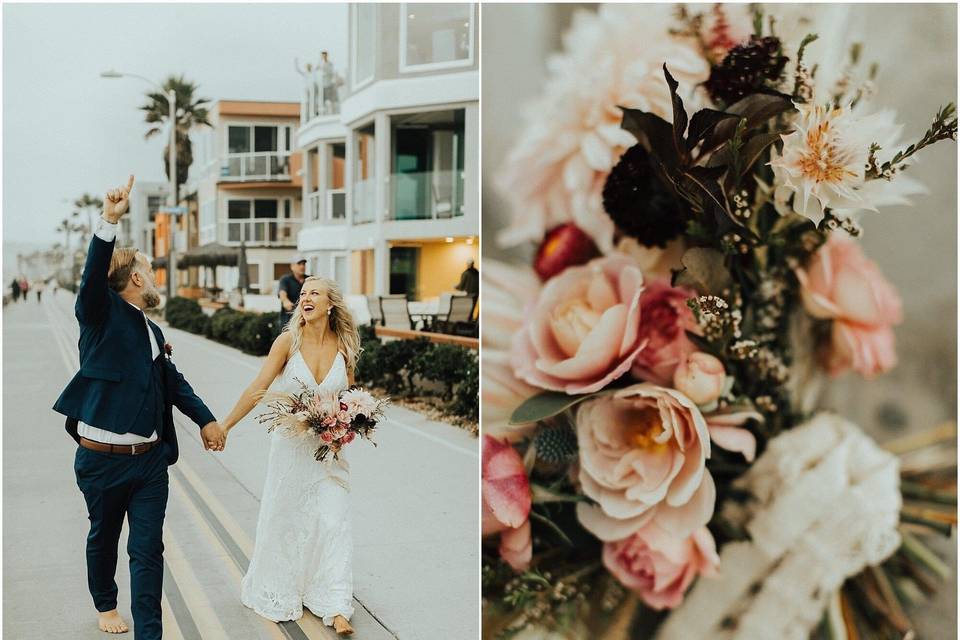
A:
171, 629
176, 482
204, 614
178, 606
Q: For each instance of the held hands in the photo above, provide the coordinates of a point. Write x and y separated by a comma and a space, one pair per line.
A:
117, 202
214, 437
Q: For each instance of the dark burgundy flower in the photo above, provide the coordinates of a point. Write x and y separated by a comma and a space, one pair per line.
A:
641, 205
747, 69
168, 349
565, 246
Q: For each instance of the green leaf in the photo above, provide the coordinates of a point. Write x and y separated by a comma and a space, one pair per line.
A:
679, 113
552, 526
756, 109
546, 405
703, 123
706, 268
655, 133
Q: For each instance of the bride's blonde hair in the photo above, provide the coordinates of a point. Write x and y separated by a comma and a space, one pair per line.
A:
340, 322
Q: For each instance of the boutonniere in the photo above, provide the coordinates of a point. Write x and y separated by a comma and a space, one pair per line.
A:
168, 350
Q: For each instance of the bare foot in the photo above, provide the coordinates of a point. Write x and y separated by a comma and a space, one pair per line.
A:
111, 622
342, 626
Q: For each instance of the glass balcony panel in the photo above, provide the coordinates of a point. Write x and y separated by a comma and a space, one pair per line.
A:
426, 195
363, 201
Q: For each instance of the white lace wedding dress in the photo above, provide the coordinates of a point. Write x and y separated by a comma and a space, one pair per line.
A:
304, 548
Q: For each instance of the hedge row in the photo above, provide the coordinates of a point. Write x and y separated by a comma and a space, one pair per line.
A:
250, 332
411, 367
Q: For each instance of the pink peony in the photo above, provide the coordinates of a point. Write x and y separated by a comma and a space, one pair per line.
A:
841, 284
663, 325
659, 566
700, 377
643, 457
507, 500
582, 332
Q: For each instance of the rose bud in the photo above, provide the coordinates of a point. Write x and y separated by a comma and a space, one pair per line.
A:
700, 377
565, 246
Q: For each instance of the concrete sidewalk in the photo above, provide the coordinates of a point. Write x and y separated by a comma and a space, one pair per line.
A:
415, 507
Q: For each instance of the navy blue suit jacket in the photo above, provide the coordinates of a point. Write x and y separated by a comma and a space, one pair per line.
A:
115, 363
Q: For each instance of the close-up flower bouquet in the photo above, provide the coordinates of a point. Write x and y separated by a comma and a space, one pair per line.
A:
334, 419
656, 458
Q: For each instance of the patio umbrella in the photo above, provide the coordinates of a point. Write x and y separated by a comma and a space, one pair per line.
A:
209, 255
244, 280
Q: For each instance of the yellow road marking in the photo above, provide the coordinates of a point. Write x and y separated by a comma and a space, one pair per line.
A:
201, 610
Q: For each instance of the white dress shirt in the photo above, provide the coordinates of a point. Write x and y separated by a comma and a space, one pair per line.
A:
107, 232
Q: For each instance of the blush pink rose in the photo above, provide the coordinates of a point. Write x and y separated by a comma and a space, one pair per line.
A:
505, 491
348, 438
582, 331
326, 436
664, 321
700, 377
643, 454
659, 566
842, 285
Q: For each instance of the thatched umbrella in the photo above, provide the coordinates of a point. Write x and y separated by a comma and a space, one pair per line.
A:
211, 255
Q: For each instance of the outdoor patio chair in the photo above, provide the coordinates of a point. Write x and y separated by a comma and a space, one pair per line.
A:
373, 306
459, 318
395, 313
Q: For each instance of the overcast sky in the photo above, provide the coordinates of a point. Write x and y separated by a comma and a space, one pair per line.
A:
66, 131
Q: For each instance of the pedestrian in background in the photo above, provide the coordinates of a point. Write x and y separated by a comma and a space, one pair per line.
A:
24, 288
289, 289
15, 288
39, 287
469, 280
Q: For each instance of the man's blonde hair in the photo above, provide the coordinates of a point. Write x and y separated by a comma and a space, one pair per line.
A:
122, 265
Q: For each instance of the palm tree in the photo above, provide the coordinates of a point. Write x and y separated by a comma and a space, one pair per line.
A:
190, 112
88, 204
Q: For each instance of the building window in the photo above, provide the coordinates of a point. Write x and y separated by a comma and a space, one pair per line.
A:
364, 43
259, 152
153, 205
403, 271
280, 269
427, 172
435, 35
253, 278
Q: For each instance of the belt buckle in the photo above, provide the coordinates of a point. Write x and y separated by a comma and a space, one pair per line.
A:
133, 448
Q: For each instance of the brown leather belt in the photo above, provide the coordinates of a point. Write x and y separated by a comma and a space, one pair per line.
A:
125, 449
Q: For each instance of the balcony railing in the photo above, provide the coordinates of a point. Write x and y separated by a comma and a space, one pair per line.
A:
263, 232
262, 165
364, 201
330, 206
426, 195
319, 100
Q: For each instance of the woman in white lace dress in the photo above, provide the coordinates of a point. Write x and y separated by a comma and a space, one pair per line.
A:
302, 556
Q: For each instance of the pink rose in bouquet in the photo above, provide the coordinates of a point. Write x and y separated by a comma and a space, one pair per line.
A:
643, 457
664, 321
507, 500
841, 284
700, 377
582, 332
658, 565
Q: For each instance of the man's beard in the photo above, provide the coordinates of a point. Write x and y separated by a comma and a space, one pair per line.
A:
151, 297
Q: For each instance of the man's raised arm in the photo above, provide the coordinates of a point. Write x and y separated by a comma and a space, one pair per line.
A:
92, 297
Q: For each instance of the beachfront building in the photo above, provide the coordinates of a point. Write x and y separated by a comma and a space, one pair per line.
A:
246, 178
391, 163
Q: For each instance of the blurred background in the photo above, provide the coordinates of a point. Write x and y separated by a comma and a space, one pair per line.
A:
915, 47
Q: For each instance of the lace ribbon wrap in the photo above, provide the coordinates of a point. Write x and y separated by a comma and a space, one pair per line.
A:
826, 503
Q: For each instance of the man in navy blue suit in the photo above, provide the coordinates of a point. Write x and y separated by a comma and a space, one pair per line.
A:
119, 409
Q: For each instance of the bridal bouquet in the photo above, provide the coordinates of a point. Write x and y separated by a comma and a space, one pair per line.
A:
694, 189
334, 418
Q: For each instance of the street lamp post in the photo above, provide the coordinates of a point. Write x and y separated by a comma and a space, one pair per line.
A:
171, 97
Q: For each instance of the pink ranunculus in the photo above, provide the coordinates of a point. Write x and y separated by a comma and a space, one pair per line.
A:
327, 437
507, 499
582, 331
348, 437
643, 454
659, 566
840, 283
700, 377
664, 321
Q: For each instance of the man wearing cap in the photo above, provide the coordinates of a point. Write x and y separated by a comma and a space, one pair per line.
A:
290, 286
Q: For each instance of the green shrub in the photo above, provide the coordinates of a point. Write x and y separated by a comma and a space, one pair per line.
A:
257, 333
396, 363
466, 396
369, 367
186, 314
226, 326
445, 364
